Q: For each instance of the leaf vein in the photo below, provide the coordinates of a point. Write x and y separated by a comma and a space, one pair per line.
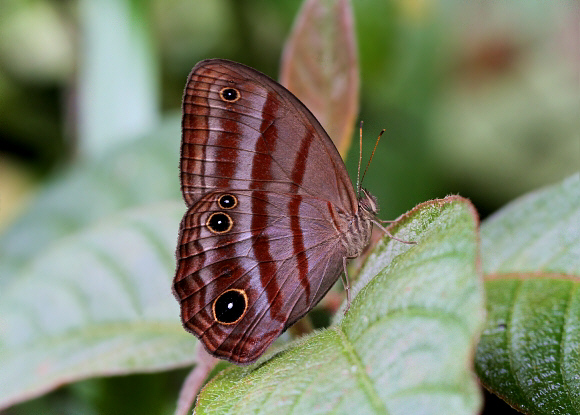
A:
364, 380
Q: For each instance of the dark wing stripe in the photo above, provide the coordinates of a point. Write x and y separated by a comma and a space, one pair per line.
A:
298, 243
261, 173
294, 212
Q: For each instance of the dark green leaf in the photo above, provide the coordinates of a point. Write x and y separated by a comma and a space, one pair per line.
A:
529, 353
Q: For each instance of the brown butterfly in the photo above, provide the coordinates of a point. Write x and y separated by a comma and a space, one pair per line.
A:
272, 214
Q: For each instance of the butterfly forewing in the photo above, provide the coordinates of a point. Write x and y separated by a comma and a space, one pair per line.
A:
266, 138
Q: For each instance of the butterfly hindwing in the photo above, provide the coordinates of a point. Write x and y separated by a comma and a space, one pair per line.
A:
277, 264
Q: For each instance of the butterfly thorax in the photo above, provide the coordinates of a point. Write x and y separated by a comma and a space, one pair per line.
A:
360, 227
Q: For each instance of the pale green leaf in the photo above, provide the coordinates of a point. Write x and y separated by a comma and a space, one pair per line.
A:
131, 174
96, 303
118, 78
404, 347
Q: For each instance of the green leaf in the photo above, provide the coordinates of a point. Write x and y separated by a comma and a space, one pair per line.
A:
529, 353
537, 233
405, 345
96, 303
131, 174
117, 82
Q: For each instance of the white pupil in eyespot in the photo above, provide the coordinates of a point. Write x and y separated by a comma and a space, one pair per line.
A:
230, 306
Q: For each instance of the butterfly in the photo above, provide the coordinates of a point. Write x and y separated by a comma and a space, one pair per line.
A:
272, 215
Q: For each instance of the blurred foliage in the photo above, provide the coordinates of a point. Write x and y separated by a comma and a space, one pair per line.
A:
478, 98
149, 394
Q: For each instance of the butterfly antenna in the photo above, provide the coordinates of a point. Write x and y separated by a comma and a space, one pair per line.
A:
372, 155
359, 160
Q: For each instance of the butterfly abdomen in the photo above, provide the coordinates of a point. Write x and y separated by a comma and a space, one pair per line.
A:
358, 235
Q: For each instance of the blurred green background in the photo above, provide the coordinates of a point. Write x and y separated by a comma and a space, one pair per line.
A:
478, 98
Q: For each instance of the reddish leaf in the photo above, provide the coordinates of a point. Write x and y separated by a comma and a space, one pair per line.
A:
320, 66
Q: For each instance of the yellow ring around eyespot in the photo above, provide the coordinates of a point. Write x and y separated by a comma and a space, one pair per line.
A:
224, 195
227, 100
230, 221
243, 313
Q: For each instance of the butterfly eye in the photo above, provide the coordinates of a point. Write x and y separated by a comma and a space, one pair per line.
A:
219, 222
230, 307
229, 94
227, 201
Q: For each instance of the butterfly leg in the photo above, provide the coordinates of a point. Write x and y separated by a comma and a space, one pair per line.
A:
381, 227
346, 284
387, 221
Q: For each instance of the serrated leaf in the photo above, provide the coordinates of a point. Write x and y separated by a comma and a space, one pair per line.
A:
320, 66
529, 353
97, 303
405, 345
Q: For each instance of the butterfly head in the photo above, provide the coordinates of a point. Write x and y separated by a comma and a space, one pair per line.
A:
368, 203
